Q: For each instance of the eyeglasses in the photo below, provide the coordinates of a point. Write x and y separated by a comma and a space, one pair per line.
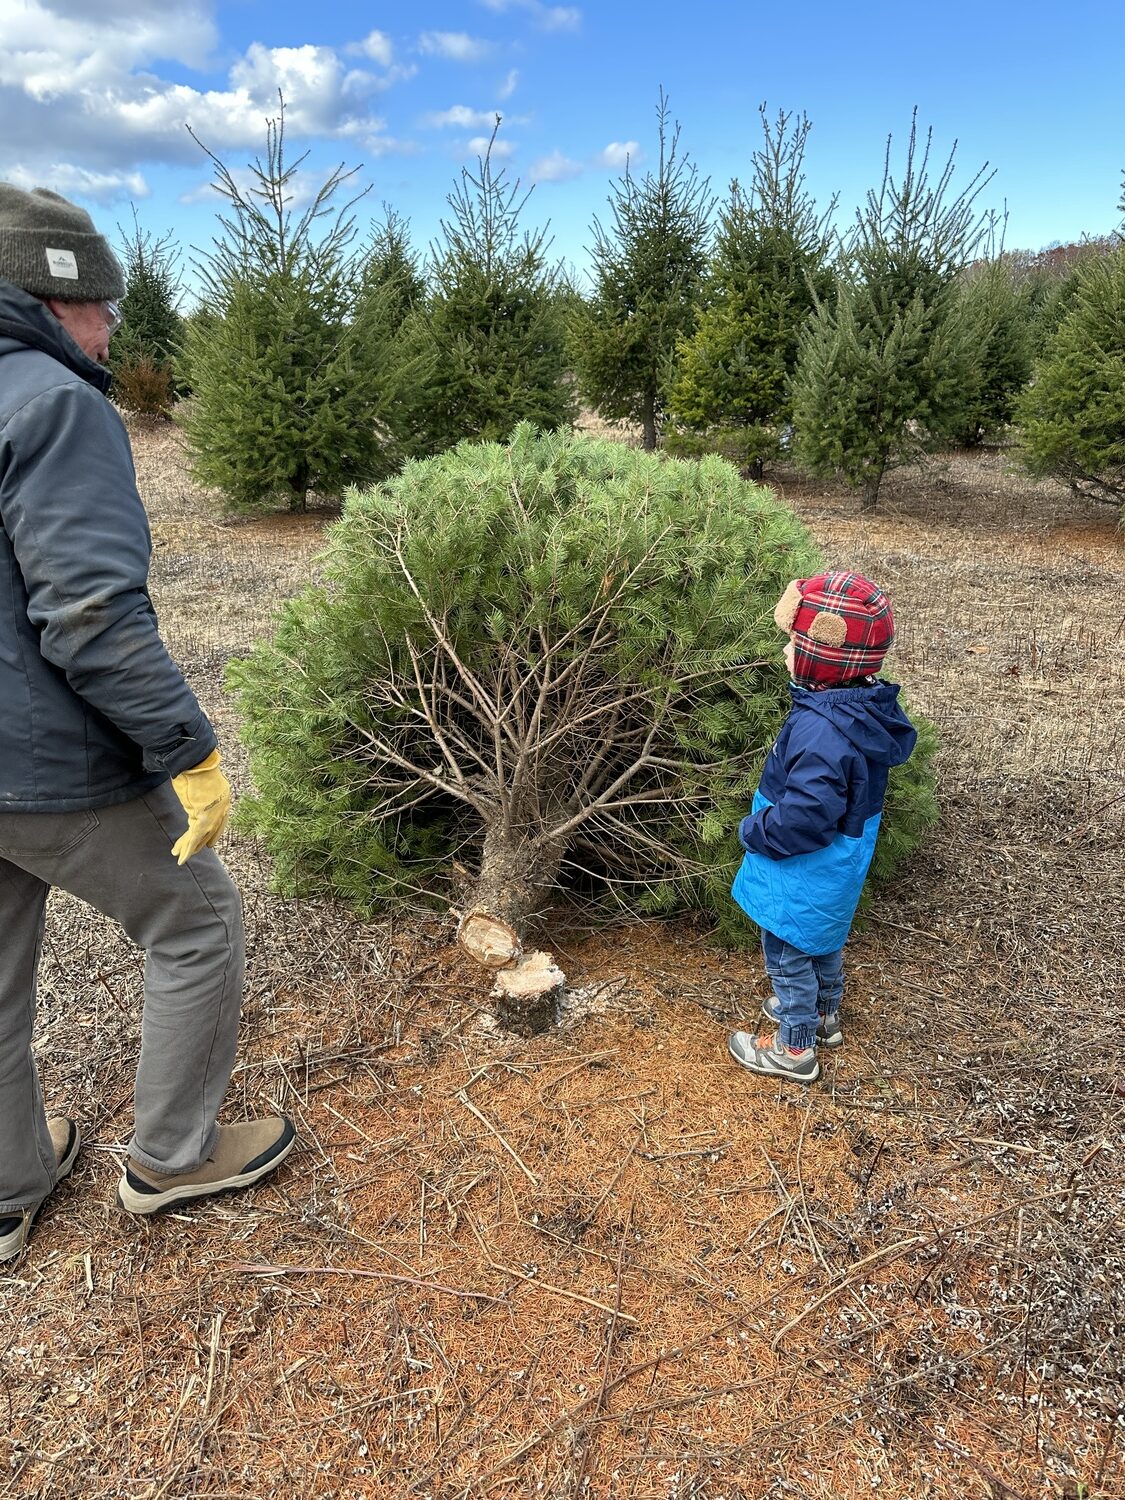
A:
111, 312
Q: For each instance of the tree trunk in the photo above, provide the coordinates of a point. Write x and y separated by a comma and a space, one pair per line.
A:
517, 875
648, 418
526, 997
873, 478
299, 488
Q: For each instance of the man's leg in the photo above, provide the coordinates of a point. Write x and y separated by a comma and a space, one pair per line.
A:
188, 919
27, 1157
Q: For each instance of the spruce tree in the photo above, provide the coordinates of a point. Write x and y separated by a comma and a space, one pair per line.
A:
769, 266
884, 363
293, 370
648, 273
551, 663
145, 349
488, 345
1072, 418
996, 308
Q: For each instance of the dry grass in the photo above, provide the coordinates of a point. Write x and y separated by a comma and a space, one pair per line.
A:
606, 1263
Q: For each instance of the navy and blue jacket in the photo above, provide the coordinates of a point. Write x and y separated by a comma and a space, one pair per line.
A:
93, 710
810, 834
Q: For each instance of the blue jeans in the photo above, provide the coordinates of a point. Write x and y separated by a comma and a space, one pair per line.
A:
807, 987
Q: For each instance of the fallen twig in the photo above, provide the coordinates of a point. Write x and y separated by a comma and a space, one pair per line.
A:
261, 1268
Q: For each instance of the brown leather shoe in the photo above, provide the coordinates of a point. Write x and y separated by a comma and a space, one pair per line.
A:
15, 1228
242, 1155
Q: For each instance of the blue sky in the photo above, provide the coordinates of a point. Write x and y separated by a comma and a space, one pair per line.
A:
97, 108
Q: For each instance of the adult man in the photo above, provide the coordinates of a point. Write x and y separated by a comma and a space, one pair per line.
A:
108, 766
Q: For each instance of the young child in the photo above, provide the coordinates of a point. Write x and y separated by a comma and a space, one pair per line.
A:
811, 832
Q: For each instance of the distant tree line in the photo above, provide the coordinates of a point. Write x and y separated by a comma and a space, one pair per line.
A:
747, 326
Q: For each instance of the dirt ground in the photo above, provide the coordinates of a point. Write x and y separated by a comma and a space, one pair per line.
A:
606, 1262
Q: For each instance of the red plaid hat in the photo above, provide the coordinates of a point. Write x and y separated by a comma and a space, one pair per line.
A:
841, 625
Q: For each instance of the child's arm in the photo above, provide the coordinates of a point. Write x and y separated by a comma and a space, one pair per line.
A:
807, 813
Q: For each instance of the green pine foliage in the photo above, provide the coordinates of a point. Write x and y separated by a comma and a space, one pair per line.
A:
996, 308
648, 272
883, 367
562, 647
390, 265
144, 350
769, 266
489, 343
294, 367
1072, 418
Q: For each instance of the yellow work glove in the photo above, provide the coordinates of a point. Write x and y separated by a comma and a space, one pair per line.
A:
205, 794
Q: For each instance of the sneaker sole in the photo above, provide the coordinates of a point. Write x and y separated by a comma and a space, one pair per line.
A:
153, 1203
14, 1241
764, 1071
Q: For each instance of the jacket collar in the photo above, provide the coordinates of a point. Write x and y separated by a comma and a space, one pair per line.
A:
25, 320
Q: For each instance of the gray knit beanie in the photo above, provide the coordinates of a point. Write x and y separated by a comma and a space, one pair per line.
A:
50, 248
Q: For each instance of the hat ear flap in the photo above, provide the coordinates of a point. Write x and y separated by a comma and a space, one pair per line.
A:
785, 610
828, 628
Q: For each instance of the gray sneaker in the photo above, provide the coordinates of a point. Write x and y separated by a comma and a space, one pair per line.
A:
829, 1033
766, 1055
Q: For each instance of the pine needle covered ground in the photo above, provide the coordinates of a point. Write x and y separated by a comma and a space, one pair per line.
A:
607, 1263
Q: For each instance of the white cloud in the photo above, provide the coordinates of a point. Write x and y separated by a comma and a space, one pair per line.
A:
376, 45
560, 17
457, 46
479, 146
464, 118
67, 179
558, 167
555, 168
618, 155
83, 86
508, 87
550, 17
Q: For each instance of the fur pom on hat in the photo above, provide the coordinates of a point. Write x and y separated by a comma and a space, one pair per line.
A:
841, 625
50, 248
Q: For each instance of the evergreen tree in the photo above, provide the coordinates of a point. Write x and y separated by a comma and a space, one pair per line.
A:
769, 266
554, 660
489, 343
1072, 418
648, 273
883, 367
997, 312
145, 349
390, 261
294, 369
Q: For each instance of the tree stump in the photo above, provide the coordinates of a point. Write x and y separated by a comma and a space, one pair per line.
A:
527, 995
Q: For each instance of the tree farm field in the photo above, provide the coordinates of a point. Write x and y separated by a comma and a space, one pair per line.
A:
605, 1262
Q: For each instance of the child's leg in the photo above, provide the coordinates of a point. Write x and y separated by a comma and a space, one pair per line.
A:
794, 981
829, 970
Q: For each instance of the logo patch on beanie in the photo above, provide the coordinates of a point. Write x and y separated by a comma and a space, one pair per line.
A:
61, 263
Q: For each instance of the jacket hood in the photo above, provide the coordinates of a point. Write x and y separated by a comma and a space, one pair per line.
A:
26, 323
869, 717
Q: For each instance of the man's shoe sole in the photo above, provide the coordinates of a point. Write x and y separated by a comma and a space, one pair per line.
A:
13, 1242
135, 1202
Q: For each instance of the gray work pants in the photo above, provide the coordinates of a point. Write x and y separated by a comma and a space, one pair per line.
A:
187, 918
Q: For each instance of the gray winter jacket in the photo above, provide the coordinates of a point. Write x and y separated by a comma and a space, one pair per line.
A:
92, 708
